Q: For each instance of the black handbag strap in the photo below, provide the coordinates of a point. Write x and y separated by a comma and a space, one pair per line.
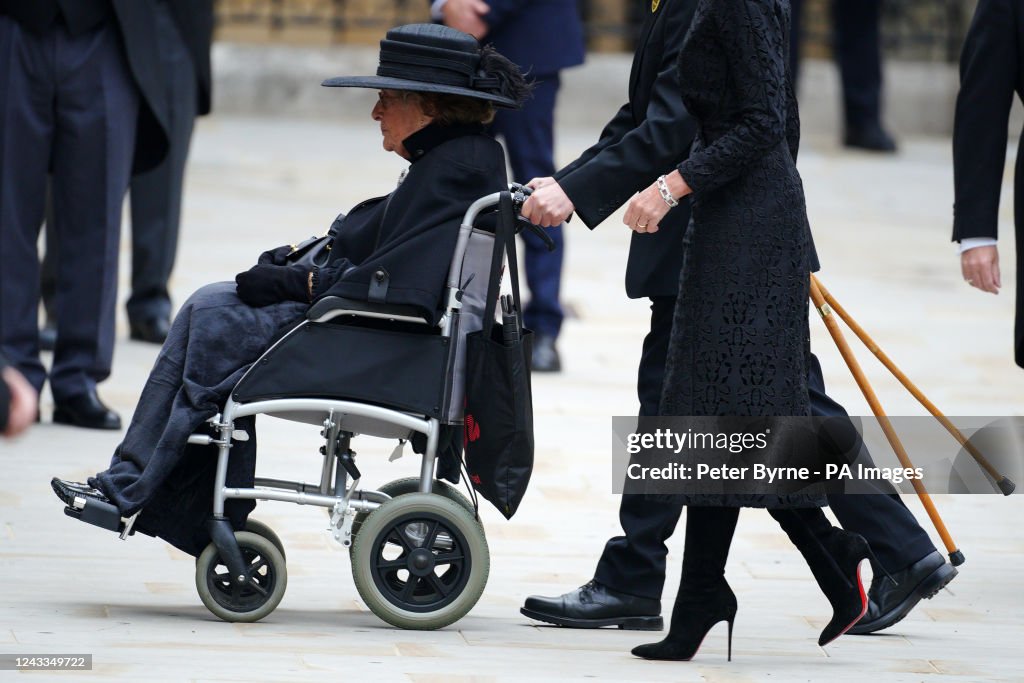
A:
504, 243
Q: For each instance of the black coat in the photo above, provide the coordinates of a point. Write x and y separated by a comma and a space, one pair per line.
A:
650, 135
194, 19
414, 244
136, 23
991, 70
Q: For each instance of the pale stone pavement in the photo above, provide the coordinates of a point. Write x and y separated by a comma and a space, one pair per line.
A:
882, 228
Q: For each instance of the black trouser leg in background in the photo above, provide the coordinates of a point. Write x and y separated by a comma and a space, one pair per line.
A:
634, 563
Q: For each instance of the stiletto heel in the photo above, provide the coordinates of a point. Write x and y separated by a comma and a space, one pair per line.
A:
729, 658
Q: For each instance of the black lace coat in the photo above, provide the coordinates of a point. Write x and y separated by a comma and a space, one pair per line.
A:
740, 339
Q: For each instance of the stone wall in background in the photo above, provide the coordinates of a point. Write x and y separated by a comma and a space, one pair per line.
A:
928, 30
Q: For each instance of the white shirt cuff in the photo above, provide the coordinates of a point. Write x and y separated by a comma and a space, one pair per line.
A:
965, 244
435, 9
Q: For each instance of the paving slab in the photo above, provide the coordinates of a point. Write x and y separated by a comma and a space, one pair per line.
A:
882, 228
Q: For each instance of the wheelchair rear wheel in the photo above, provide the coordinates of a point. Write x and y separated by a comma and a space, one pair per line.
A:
401, 487
420, 561
252, 601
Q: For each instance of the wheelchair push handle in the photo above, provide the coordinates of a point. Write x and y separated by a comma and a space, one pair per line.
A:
519, 195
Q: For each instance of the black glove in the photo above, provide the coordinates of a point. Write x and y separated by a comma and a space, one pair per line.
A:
266, 284
276, 257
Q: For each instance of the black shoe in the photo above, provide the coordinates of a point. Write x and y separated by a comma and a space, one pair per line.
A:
890, 602
68, 491
843, 588
871, 137
545, 355
48, 337
594, 605
695, 612
151, 330
86, 410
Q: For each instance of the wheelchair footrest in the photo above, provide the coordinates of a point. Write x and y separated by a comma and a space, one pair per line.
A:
98, 513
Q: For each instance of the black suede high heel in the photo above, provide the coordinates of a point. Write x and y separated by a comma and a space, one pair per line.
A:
841, 582
834, 557
704, 597
692, 618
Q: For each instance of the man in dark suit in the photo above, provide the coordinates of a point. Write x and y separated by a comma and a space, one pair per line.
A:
650, 135
184, 34
542, 37
991, 69
79, 91
857, 48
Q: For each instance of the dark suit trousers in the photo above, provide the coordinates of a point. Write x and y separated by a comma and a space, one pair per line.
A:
70, 109
858, 53
529, 139
156, 194
635, 562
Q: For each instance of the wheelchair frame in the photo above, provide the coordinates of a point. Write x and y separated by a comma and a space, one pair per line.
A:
339, 481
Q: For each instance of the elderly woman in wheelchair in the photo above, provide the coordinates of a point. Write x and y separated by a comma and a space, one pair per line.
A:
317, 337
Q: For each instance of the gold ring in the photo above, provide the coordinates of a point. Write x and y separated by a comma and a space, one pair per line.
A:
641, 225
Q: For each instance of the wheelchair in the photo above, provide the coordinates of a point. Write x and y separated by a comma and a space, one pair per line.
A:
419, 553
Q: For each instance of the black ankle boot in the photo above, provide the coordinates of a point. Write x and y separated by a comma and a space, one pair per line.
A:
693, 616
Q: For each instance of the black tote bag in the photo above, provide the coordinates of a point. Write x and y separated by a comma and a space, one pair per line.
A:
499, 401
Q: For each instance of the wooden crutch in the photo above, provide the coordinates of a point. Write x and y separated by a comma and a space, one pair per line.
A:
956, 557
1003, 482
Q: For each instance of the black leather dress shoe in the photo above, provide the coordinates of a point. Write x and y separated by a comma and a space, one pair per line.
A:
151, 330
85, 410
871, 137
594, 605
68, 491
889, 602
545, 355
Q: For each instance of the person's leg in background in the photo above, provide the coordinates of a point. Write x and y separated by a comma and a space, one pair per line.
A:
96, 113
901, 546
156, 194
529, 139
858, 52
630, 575
27, 91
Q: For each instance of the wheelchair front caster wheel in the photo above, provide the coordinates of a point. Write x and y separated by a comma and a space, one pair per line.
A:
420, 561
260, 529
252, 600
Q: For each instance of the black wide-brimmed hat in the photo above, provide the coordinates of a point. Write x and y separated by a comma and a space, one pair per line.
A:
436, 58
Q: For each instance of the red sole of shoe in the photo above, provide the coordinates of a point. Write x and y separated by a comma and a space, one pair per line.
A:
863, 603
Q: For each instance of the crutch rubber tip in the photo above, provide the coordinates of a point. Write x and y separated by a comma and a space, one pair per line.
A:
1006, 486
956, 558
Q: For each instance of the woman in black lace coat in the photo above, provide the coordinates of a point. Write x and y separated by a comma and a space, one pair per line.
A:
740, 340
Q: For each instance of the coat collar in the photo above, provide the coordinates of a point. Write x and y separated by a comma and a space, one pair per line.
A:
434, 135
